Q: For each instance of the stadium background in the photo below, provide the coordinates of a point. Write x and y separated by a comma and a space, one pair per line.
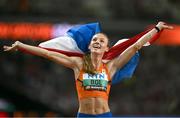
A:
33, 86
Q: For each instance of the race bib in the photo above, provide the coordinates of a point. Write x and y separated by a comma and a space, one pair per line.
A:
98, 81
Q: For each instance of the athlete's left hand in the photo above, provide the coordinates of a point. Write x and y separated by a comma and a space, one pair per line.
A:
163, 25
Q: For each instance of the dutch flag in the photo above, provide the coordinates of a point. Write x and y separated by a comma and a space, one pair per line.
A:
76, 40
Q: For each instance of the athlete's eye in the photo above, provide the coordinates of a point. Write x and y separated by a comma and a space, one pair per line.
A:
95, 39
102, 41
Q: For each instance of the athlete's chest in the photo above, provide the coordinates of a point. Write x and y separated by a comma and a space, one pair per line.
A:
97, 81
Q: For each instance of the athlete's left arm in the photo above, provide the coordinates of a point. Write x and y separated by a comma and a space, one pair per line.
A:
122, 59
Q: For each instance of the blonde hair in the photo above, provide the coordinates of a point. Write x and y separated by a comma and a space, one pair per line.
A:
87, 64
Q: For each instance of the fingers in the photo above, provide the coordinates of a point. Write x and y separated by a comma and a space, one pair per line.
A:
168, 27
9, 48
13, 47
6, 48
163, 25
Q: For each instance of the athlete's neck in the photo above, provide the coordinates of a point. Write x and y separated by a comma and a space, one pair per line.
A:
96, 60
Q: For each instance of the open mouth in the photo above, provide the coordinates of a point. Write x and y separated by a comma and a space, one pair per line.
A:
96, 45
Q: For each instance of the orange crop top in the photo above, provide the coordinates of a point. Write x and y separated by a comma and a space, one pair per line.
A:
97, 85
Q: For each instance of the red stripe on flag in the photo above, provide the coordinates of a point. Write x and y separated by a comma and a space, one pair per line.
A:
64, 52
118, 49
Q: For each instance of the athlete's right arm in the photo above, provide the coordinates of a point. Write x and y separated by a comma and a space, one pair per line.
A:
53, 56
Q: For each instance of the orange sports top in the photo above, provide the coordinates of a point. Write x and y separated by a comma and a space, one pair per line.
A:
97, 85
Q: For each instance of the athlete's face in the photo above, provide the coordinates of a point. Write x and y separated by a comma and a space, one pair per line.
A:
99, 44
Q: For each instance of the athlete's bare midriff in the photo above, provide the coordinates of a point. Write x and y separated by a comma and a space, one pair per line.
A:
94, 105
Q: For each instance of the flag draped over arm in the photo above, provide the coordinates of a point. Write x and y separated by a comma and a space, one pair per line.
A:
77, 40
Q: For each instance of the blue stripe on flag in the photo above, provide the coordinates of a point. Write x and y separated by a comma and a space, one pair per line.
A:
83, 34
127, 70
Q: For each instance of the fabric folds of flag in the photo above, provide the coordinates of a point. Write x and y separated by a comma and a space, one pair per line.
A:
77, 39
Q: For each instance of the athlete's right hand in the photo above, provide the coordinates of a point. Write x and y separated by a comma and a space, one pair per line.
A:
13, 47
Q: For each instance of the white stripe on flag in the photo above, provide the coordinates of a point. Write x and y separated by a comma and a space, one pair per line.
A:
64, 43
122, 40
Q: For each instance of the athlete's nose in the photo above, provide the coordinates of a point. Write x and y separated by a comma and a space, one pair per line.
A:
98, 41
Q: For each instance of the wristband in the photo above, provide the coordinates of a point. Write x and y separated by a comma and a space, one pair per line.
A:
157, 28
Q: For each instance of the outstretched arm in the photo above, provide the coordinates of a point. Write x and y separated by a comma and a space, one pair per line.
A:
121, 60
54, 56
